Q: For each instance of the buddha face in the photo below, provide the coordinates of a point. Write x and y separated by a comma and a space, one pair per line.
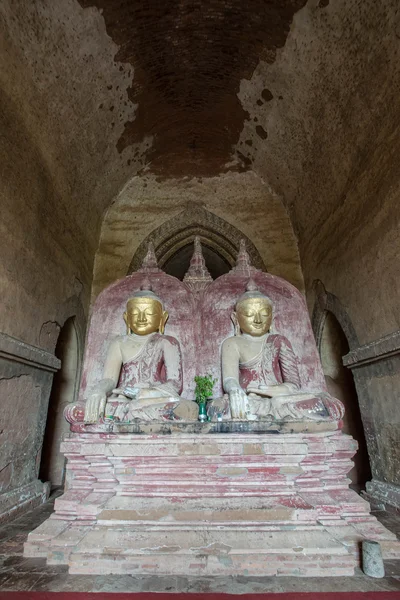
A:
254, 316
144, 316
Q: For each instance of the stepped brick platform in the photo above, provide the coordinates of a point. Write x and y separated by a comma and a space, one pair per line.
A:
209, 504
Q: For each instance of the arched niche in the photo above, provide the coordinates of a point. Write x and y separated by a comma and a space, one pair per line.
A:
173, 243
335, 336
326, 302
64, 391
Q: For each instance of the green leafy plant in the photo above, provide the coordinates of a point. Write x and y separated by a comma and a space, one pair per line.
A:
204, 388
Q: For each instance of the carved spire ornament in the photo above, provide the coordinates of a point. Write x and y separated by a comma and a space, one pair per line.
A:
251, 286
243, 265
197, 276
149, 264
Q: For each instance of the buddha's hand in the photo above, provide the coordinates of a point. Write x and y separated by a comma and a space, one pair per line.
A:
237, 398
95, 406
239, 403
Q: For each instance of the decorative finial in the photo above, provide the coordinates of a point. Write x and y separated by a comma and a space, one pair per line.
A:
243, 258
146, 285
252, 292
251, 286
243, 265
197, 276
149, 263
146, 291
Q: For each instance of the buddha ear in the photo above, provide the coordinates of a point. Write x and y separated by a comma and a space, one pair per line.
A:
164, 319
128, 329
235, 323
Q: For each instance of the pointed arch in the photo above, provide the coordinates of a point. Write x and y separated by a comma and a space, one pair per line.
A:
214, 233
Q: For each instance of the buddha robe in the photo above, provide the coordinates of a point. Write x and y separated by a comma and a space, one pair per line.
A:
276, 364
157, 364
157, 368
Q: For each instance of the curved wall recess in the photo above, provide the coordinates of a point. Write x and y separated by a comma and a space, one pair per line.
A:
326, 302
179, 232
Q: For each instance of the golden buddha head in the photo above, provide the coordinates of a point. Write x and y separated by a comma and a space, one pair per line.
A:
253, 314
144, 313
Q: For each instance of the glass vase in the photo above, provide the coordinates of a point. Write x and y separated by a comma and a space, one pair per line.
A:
202, 412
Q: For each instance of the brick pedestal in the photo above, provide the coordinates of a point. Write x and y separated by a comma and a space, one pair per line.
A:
209, 504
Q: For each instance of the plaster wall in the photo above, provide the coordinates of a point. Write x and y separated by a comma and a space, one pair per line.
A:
58, 65
45, 258
378, 386
22, 425
25, 379
323, 130
45, 276
356, 253
49, 224
241, 199
314, 112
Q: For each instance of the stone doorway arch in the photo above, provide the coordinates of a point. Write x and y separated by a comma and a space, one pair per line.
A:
216, 235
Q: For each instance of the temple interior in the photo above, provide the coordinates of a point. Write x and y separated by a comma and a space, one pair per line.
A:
129, 123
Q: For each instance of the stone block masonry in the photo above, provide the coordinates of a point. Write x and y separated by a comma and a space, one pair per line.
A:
210, 504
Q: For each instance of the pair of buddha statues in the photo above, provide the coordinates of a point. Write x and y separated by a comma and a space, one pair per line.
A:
142, 377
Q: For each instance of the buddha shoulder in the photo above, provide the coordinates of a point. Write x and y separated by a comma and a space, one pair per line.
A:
115, 342
231, 344
169, 341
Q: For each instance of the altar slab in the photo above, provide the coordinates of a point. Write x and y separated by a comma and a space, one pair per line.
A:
210, 504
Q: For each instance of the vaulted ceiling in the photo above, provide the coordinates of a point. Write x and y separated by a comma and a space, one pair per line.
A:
188, 59
306, 94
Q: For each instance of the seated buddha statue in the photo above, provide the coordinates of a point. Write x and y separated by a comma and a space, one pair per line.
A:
259, 369
142, 376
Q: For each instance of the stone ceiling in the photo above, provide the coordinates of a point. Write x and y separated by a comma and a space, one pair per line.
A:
306, 94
